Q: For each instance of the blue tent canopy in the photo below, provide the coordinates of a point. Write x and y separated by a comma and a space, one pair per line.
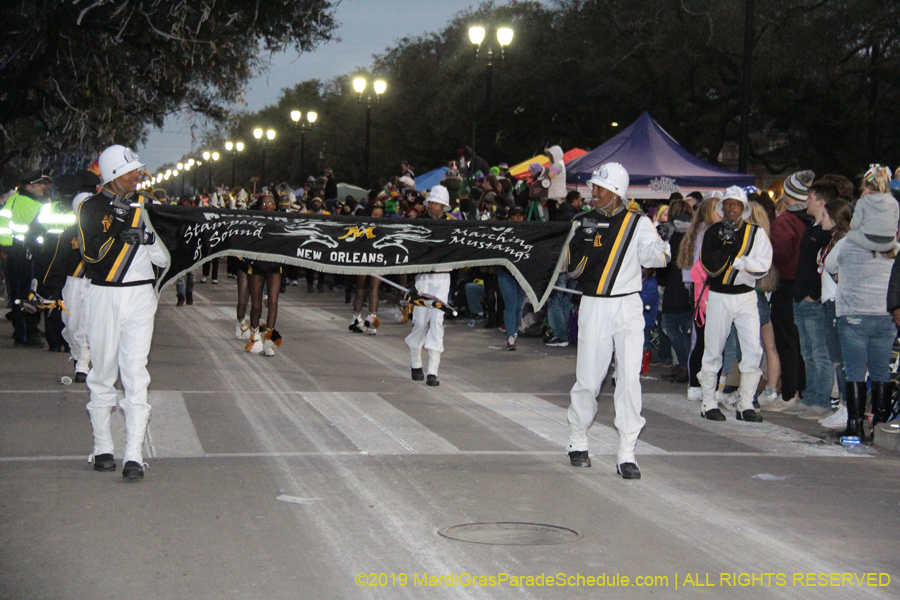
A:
657, 165
430, 179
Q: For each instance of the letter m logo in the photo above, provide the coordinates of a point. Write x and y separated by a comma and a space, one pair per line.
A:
354, 233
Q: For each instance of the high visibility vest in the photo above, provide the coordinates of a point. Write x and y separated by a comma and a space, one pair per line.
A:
55, 218
15, 218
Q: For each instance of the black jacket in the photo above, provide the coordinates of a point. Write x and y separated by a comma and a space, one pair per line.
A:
677, 297
893, 293
101, 220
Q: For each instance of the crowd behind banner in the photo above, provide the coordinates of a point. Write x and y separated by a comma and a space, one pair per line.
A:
827, 307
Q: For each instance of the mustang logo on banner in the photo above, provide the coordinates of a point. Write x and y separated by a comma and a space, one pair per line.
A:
532, 251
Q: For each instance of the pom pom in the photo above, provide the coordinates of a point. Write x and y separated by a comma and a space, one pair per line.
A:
274, 336
373, 322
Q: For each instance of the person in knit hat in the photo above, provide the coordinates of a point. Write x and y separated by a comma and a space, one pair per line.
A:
863, 262
787, 231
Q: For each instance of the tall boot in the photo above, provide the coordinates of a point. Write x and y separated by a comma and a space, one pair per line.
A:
415, 363
434, 363
136, 419
100, 424
856, 406
882, 399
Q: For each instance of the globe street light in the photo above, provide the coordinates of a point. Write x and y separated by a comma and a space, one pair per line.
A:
504, 38
359, 86
269, 136
232, 148
297, 118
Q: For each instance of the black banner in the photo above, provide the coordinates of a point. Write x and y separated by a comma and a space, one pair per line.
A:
531, 251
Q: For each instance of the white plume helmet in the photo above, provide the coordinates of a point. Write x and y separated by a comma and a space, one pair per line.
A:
613, 177
734, 193
117, 160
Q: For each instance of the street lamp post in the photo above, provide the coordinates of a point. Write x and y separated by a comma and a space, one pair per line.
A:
197, 166
232, 148
359, 85
269, 136
504, 38
181, 170
297, 117
210, 157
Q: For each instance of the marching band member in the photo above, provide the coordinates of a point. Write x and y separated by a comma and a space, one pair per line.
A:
428, 323
606, 256
119, 253
734, 254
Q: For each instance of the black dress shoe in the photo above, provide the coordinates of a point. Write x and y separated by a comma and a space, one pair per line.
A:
132, 470
104, 462
433, 381
80, 377
749, 415
418, 374
628, 471
713, 415
579, 458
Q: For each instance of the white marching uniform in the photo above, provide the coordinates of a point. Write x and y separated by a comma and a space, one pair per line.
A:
606, 257
732, 299
75, 320
75, 316
428, 323
121, 306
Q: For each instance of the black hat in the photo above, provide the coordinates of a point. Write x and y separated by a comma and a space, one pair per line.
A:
516, 210
68, 185
36, 176
88, 179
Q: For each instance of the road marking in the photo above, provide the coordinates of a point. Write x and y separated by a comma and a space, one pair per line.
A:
767, 437
368, 455
171, 432
551, 422
376, 426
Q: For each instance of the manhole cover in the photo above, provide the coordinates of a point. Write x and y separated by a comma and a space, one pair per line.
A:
510, 534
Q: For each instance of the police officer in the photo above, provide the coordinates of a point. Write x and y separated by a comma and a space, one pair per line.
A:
606, 256
428, 323
21, 237
119, 253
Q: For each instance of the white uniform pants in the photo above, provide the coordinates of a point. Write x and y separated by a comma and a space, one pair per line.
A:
120, 332
428, 323
603, 322
74, 295
721, 311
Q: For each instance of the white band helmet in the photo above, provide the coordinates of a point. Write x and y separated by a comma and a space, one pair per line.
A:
613, 177
439, 195
117, 160
734, 193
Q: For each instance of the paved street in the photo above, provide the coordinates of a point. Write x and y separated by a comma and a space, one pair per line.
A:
369, 466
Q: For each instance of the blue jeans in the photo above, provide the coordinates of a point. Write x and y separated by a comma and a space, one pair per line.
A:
180, 287
866, 342
732, 351
809, 317
677, 327
559, 305
833, 340
474, 293
513, 299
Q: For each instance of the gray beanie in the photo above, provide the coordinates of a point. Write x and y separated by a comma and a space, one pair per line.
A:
874, 224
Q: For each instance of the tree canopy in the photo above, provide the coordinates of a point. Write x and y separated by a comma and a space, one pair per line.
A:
825, 86
78, 75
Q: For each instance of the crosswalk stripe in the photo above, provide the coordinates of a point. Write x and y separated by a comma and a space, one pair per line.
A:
171, 432
551, 422
376, 426
767, 437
